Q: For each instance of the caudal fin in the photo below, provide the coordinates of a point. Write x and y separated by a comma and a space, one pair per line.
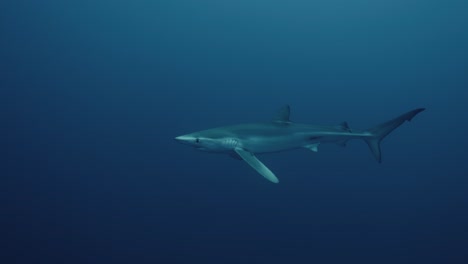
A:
379, 132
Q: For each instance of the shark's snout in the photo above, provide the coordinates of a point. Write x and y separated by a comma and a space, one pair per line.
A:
180, 138
184, 139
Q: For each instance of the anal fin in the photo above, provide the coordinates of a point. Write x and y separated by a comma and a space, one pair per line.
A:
312, 147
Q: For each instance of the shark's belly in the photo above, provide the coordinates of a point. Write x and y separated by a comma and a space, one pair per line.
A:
261, 144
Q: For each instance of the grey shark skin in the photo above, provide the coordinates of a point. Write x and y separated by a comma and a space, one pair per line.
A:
243, 141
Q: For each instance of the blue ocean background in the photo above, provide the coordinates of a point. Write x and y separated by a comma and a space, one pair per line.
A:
93, 93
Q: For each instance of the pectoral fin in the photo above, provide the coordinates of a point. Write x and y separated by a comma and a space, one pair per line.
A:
257, 164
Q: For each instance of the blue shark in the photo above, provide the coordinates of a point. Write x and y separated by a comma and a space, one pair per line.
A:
244, 141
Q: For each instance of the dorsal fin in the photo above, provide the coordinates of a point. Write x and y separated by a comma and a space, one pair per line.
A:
344, 125
283, 115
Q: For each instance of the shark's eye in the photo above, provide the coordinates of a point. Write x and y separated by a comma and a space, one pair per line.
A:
197, 140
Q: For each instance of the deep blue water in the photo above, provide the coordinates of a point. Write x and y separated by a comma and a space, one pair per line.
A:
93, 93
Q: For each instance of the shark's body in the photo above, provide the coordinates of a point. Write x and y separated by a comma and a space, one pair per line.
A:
243, 141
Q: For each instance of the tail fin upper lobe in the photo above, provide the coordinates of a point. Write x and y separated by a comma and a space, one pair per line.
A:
380, 131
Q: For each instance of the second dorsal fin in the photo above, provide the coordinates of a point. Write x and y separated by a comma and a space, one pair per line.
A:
344, 126
283, 115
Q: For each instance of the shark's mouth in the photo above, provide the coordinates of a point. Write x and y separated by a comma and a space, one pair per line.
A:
206, 149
